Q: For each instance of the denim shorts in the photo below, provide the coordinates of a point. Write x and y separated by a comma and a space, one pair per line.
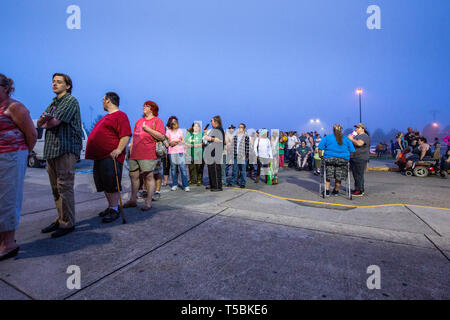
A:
12, 176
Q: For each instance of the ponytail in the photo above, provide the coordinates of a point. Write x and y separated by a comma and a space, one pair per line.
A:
337, 130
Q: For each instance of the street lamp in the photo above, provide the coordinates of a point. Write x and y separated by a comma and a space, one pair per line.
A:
359, 92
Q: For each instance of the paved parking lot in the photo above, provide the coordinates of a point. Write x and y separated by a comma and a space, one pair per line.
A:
263, 242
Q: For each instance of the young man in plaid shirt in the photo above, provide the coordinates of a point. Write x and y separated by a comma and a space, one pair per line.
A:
63, 144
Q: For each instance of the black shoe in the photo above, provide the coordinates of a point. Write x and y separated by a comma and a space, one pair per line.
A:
207, 187
62, 232
104, 213
53, 227
10, 254
326, 193
229, 185
112, 216
242, 187
335, 193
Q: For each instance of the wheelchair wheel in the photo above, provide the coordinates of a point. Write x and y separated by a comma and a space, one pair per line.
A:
421, 172
408, 173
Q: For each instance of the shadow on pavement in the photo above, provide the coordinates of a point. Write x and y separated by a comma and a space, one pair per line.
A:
83, 236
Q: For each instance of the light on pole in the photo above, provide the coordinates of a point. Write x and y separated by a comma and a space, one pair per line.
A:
359, 92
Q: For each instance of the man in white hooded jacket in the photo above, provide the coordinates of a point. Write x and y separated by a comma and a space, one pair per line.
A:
263, 151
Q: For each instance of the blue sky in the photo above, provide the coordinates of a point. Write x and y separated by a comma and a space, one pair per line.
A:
267, 63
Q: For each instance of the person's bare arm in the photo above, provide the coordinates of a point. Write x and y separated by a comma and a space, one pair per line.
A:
358, 143
122, 144
20, 115
131, 145
155, 134
422, 153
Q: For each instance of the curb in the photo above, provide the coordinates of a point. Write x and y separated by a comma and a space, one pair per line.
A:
384, 169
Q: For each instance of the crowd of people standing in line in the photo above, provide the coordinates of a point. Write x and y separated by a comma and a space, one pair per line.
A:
153, 151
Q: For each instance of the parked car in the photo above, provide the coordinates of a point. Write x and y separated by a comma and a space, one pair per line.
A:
36, 160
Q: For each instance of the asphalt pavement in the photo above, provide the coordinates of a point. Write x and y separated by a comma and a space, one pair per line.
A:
263, 242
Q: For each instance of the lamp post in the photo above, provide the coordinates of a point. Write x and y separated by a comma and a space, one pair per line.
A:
359, 92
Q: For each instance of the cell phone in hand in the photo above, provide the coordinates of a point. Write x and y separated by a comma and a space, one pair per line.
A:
47, 115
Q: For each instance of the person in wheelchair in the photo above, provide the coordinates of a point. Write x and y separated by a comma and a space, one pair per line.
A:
303, 153
402, 158
421, 152
445, 164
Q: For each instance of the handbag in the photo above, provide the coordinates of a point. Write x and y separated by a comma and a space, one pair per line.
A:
161, 146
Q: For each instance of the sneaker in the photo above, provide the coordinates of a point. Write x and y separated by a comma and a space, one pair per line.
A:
175, 188
357, 193
326, 193
335, 193
187, 189
156, 196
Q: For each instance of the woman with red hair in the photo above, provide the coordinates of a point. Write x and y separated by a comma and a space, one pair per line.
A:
143, 160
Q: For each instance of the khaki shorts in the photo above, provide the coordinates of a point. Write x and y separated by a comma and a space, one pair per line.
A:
143, 165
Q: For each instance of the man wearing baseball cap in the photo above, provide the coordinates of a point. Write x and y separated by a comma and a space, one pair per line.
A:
358, 159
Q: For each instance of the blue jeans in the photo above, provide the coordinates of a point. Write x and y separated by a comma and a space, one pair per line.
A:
178, 160
224, 168
236, 168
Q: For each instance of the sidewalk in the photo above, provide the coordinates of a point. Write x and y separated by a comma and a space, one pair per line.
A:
237, 244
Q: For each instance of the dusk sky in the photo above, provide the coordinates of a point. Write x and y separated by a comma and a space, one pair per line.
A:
267, 63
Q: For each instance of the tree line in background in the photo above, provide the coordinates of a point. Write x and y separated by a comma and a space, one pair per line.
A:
430, 132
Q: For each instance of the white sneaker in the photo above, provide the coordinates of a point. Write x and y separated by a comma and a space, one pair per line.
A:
175, 188
187, 189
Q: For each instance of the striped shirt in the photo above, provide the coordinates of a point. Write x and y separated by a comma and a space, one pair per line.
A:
67, 137
11, 138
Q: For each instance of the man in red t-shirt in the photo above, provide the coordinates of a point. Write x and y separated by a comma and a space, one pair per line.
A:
106, 142
143, 160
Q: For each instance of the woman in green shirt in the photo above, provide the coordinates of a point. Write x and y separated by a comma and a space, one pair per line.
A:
282, 145
194, 140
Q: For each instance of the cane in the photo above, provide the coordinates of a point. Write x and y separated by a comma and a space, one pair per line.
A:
118, 190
